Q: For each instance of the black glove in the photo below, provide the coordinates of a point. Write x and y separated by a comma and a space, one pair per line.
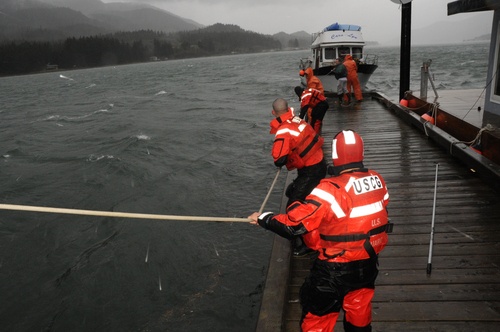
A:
266, 220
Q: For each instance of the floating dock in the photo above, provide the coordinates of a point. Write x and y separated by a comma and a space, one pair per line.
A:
462, 292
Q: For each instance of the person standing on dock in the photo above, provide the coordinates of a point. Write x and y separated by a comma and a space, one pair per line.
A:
345, 219
312, 82
297, 146
313, 106
353, 84
340, 73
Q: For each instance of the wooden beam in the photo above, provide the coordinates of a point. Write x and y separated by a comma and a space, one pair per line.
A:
468, 6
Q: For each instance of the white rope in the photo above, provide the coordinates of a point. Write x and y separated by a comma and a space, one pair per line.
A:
476, 139
433, 109
116, 214
32, 208
269, 192
425, 128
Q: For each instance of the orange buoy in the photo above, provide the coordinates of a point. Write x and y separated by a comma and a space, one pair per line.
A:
412, 103
403, 102
477, 148
428, 117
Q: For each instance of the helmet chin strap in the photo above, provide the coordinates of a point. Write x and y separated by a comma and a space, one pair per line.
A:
337, 170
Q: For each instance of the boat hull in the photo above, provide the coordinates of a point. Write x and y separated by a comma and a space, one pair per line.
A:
335, 42
457, 128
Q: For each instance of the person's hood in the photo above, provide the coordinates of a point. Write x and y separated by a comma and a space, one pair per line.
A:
348, 57
276, 122
309, 72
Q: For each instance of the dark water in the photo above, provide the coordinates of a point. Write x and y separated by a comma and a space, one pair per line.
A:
184, 137
460, 66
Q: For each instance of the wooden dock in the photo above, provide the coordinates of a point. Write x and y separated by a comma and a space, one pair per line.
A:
462, 292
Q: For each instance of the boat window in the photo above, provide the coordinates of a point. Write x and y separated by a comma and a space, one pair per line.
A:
357, 52
343, 51
330, 53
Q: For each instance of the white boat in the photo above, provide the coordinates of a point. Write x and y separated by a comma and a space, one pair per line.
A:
336, 41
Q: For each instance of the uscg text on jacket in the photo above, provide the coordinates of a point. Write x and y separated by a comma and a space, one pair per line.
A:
366, 184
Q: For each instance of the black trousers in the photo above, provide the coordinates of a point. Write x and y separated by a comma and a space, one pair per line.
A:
324, 289
307, 179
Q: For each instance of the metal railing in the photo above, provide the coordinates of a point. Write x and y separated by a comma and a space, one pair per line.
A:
425, 77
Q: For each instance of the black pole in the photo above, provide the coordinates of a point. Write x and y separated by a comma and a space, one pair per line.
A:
404, 75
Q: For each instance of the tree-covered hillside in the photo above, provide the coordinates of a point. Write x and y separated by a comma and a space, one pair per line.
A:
22, 57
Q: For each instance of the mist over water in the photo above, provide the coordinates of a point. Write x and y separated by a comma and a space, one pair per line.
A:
453, 67
184, 137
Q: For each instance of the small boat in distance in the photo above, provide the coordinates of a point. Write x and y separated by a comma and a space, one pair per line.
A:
336, 41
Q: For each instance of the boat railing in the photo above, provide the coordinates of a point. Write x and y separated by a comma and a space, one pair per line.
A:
370, 59
305, 63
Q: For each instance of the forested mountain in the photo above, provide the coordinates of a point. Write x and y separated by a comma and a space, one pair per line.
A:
50, 20
129, 47
90, 33
56, 19
300, 39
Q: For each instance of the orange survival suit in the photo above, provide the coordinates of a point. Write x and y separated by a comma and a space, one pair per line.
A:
313, 106
313, 81
297, 146
352, 77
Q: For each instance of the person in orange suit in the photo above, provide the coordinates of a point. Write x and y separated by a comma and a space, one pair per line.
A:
352, 77
313, 106
313, 82
297, 146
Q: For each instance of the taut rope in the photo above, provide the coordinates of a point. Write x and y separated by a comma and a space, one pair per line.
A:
132, 215
269, 192
116, 214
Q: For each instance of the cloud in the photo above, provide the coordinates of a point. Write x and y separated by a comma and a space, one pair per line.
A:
380, 19
234, 3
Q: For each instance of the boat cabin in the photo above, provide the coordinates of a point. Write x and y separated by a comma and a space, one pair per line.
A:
336, 41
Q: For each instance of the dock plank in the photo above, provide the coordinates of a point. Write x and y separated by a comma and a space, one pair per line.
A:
462, 293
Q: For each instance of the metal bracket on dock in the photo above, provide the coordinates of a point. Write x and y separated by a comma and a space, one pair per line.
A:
426, 76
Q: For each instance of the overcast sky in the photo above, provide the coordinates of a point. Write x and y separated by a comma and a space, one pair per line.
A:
380, 19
